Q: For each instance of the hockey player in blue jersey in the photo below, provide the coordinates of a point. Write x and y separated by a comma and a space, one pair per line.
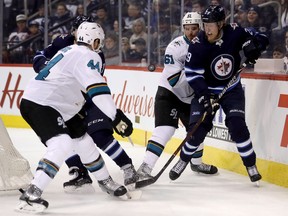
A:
213, 58
99, 127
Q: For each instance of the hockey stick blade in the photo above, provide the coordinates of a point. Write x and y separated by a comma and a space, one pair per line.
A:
152, 180
146, 182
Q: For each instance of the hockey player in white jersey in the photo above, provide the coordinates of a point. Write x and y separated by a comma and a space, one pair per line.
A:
99, 126
49, 105
173, 100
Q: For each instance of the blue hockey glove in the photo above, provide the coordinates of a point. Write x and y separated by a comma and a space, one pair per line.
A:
251, 50
215, 107
205, 101
122, 124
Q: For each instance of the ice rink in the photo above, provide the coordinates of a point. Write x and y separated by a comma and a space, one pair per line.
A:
225, 194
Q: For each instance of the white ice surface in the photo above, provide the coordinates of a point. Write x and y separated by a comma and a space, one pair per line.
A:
226, 194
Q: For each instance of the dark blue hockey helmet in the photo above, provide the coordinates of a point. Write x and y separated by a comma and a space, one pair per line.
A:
80, 19
214, 13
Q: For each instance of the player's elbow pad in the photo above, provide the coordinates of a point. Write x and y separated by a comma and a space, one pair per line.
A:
263, 42
39, 62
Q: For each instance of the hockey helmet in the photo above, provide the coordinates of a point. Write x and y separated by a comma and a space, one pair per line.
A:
88, 32
214, 13
192, 18
80, 19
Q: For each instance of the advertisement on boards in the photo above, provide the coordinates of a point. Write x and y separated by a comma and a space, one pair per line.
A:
134, 92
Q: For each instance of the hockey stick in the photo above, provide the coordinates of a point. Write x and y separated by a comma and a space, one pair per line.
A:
153, 179
130, 140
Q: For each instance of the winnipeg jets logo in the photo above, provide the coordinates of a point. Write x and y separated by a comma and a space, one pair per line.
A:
222, 67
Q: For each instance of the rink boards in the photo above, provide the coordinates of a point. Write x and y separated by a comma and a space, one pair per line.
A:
134, 90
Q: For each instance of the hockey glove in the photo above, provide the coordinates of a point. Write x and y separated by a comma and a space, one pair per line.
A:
251, 50
205, 101
215, 107
122, 125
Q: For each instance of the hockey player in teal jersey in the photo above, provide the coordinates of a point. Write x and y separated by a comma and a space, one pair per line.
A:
172, 101
99, 126
49, 105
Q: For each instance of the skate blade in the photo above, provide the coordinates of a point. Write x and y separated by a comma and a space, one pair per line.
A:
34, 208
145, 182
84, 189
257, 183
205, 174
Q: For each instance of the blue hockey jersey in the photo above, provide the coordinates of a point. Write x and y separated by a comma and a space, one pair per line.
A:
209, 66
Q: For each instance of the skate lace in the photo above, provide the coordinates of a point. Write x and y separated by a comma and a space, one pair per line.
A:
252, 171
129, 172
179, 166
33, 192
109, 184
204, 167
144, 170
106, 181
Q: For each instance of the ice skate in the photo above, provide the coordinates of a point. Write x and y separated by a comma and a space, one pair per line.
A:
204, 168
31, 201
111, 187
130, 176
81, 183
177, 170
254, 175
130, 179
144, 172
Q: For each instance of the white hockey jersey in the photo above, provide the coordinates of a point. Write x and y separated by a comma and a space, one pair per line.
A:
73, 69
173, 75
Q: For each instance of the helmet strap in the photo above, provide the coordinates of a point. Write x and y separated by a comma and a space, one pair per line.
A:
96, 45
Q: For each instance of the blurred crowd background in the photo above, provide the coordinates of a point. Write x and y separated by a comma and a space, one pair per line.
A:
137, 31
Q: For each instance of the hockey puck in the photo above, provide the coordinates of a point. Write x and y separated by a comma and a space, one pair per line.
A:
151, 67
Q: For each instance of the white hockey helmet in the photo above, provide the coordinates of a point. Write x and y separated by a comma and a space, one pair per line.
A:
192, 18
88, 32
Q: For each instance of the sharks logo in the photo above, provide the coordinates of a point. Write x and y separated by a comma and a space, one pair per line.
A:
222, 67
177, 43
61, 122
